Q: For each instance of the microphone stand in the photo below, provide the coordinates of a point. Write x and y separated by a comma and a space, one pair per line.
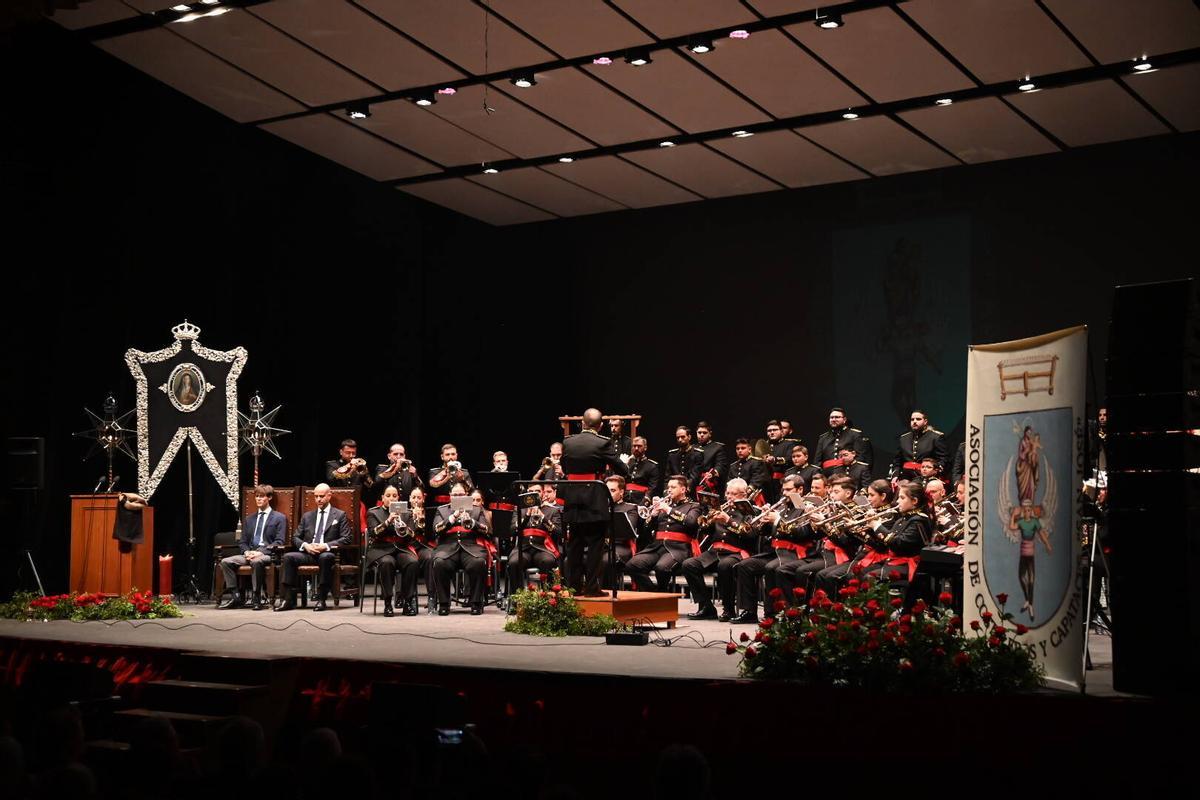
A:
191, 589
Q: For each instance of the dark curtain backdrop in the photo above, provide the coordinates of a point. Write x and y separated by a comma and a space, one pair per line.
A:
372, 315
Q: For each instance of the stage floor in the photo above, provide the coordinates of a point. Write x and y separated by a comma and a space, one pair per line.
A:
459, 639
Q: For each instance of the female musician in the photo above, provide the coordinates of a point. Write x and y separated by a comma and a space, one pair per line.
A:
392, 549
879, 498
538, 535
896, 546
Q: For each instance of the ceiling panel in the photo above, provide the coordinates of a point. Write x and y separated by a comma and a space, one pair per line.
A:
572, 29
789, 159
476, 201
667, 18
590, 108
775, 8
183, 66
773, 72
424, 132
512, 127
998, 41
1089, 113
1115, 30
277, 59
340, 141
678, 91
882, 55
703, 171
96, 12
1174, 93
547, 191
980, 130
624, 182
347, 34
455, 28
879, 145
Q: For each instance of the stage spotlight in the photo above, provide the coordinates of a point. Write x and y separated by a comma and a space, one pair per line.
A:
1142, 65
829, 21
739, 34
182, 9
700, 45
638, 58
742, 134
944, 101
566, 160
523, 80
1027, 85
490, 171
358, 110
425, 98
667, 143
849, 115
210, 2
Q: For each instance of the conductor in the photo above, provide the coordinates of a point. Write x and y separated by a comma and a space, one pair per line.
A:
586, 513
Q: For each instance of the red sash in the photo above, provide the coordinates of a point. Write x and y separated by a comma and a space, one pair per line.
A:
678, 536
784, 544
728, 548
840, 556
759, 501
538, 533
442, 499
637, 487
777, 476
581, 476
830, 463
501, 507
909, 562
912, 465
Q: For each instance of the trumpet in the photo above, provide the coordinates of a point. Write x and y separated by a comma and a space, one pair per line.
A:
354, 465
861, 527
771, 509
951, 533
659, 502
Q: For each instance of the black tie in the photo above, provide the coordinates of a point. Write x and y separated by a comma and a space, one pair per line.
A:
257, 540
320, 526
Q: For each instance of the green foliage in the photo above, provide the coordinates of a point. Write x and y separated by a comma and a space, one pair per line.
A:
554, 612
88, 607
866, 639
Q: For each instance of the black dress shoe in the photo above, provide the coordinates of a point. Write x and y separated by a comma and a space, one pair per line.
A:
476, 609
287, 605
234, 601
745, 618
258, 603
320, 606
388, 611
725, 616
410, 608
705, 611
443, 611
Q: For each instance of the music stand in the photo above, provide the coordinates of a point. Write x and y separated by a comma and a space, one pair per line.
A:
498, 492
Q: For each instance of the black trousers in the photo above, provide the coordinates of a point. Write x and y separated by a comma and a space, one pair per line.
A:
831, 578
528, 558
746, 575
424, 570
296, 559
662, 558
800, 573
723, 563
624, 553
806, 573
446, 564
390, 560
585, 539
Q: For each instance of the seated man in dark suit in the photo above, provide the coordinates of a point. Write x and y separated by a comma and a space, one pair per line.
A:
262, 531
318, 535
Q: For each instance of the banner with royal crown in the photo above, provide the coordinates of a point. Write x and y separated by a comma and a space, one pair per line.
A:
187, 391
1024, 459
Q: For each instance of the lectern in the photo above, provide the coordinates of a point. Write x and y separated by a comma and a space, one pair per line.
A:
98, 562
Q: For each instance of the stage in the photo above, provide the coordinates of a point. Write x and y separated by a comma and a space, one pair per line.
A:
429, 640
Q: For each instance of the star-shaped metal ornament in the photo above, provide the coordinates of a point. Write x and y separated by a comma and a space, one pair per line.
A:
257, 430
108, 432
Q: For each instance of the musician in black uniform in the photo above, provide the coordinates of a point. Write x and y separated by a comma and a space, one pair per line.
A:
461, 543
425, 543
789, 541
538, 533
748, 468
450, 472
625, 547
399, 472
348, 470
839, 437
392, 550
713, 463
643, 474
850, 538
778, 457
726, 539
587, 456
551, 468
857, 471
800, 466
674, 522
921, 440
685, 459
840, 546
896, 546
959, 467
622, 442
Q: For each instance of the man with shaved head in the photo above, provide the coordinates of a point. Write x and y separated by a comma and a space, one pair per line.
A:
320, 532
586, 512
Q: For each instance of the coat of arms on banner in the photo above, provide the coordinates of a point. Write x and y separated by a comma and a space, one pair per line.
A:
187, 391
1026, 521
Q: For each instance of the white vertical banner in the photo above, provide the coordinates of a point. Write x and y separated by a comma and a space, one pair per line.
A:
1024, 451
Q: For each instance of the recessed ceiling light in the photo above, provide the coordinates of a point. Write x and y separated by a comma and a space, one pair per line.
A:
523, 80
1027, 85
638, 58
425, 98
1142, 65
849, 115
216, 12
700, 45
742, 134
602, 61
566, 160
449, 90
210, 2
739, 34
829, 21
667, 143
490, 171
182, 9
358, 110
944, 101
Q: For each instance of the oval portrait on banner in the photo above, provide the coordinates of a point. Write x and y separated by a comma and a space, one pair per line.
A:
186, 387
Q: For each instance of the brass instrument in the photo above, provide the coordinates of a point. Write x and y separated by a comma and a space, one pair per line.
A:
861, 527
778, 505
950, 521
658, 503
351, 467
833, 521
399, 530
728, 506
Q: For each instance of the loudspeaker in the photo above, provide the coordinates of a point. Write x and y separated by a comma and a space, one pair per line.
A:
1153, 456
26, 462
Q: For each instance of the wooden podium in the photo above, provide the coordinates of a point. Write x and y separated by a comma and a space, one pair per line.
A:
97, 562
